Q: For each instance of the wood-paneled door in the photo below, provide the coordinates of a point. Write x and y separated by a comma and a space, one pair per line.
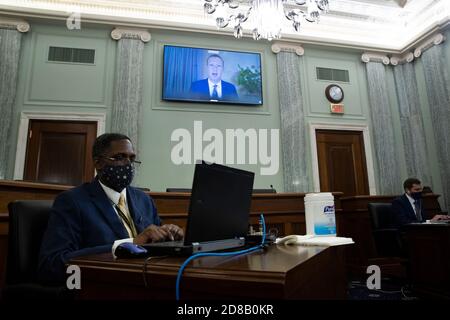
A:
60, 151
342, 162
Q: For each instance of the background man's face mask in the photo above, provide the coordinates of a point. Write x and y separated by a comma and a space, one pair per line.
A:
416, 195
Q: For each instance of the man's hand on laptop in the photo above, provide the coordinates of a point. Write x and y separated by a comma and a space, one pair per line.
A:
439, 217
176, 233
153, 233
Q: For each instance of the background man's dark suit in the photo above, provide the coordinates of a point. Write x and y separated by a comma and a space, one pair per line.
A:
83, 221
404, 212
200, 90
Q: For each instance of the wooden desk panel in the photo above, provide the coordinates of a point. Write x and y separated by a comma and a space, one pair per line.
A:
283, 211
281, 272
429, 252
3, 246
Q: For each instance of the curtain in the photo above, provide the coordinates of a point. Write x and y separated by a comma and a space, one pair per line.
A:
436, 68
293, 131
182, 66
9, 64
127, 105
411, 121
383, 132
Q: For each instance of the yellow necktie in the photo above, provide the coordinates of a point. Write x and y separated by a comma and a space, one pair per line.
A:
126, 218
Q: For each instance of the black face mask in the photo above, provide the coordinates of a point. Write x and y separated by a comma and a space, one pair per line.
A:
416, 195
117, 177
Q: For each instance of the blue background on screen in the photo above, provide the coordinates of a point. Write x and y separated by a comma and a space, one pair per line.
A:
183, 66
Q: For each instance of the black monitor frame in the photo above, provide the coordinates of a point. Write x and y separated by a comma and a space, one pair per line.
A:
220, 203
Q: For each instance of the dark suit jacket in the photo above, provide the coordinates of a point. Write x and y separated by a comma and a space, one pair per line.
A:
200, 90
404, 212
83, 221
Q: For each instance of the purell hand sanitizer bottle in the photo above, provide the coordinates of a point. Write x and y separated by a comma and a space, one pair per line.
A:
319, 214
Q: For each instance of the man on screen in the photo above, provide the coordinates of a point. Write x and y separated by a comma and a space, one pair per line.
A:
213, 87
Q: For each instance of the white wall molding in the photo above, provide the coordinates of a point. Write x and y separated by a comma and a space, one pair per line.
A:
401, 59
434, 40
25, 118
313, 126
287, 47
375, 57
142, 34
20, 25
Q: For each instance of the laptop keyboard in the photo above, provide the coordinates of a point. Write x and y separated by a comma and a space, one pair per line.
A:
168, 244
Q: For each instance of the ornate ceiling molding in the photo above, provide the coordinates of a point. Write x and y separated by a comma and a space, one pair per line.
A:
407, 57
20, 25
434, 40
375, 57
287, 47
401, 59
370, 25
122, 33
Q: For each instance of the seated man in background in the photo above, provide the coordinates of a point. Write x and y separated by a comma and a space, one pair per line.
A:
408, 208
97, 216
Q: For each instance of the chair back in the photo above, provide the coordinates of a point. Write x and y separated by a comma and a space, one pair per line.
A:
385, 233
381, 215
27, 224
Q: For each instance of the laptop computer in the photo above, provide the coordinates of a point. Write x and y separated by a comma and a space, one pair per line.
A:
218, 214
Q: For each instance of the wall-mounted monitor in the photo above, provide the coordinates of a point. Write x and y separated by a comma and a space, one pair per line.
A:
212, 76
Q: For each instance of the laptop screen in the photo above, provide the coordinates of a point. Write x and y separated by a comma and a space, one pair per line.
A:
220, 203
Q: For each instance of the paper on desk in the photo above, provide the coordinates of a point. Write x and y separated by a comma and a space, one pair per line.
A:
310, 240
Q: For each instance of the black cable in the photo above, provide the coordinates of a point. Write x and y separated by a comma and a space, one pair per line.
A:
144, 268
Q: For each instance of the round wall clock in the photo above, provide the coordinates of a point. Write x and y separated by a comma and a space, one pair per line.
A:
334, 93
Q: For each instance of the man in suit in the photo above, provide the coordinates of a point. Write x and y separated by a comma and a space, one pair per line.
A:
213, 87
408, 208
97, 216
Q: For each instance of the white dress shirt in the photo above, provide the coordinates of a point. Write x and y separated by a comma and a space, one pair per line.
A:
114, 196
218, 88
412, 201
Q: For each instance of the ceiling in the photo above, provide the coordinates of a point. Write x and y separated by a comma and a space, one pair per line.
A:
379, 25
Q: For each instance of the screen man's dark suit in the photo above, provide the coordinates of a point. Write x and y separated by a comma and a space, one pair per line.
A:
200, 90
404, 212
83, 221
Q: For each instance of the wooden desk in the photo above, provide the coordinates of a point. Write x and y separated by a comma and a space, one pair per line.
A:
281, 272
3, 246
11, 190
354, 221
429, 251
284, 212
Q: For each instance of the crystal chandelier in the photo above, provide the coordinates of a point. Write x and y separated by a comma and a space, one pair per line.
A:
265, 15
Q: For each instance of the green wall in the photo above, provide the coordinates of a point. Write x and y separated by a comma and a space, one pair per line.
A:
317, 107
61, 87
161, 118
